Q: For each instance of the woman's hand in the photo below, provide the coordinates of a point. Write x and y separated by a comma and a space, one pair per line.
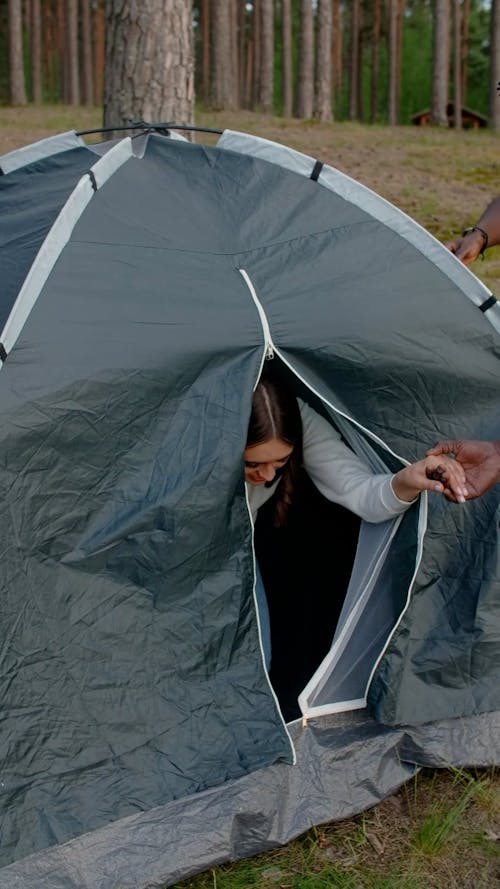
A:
439, 474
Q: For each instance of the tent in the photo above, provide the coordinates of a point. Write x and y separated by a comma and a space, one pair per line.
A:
145, 283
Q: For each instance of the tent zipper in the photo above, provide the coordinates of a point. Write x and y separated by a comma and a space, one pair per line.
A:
269, 353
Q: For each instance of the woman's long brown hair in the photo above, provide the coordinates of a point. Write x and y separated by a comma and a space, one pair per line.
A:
276, 414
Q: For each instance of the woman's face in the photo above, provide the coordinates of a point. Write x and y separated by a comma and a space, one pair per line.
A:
264, 459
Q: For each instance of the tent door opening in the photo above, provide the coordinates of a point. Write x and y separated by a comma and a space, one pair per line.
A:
333, 589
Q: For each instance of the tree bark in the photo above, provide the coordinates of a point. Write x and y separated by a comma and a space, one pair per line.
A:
256, 52
440, 63
286, 57
399, 53
87, 66
205, 51
149, 61
49, 42
267, 56
376, 21
337, 49
99, 27
242, 48
235, 57
354, 61
222, 56
393, 62
17, 84
494, 116
465, 48
74, 68
323, 96
36, 51
305, 79
457, 72
62, 51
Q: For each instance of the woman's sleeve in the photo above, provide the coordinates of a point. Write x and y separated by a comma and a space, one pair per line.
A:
342, 476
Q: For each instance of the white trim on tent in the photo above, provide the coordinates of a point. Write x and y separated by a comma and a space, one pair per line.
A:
267, 353
348, 625
28, 154
58, 237
381, 209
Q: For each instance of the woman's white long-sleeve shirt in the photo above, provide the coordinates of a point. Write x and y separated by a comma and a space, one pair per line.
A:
338, 473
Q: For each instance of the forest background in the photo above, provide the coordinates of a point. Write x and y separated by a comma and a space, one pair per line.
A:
378, 61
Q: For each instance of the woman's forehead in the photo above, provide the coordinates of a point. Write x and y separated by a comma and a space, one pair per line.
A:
269, 451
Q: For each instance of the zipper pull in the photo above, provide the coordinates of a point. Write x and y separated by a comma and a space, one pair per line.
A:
269, 352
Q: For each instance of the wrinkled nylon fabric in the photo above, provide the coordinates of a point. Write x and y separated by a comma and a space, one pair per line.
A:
131, 669
30, 199
345, 764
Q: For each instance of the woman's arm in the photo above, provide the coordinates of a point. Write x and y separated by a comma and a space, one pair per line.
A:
343, 477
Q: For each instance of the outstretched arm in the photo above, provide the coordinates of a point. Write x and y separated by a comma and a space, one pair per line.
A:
433, 473
486, 233
479, 459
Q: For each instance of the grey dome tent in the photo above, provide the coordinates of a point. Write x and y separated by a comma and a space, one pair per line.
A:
145, 284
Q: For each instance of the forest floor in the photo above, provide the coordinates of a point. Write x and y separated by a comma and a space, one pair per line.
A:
442, 830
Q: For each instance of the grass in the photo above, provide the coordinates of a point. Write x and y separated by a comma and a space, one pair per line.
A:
441, 831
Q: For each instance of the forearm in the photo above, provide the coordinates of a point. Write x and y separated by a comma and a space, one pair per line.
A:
496, 445
489, 221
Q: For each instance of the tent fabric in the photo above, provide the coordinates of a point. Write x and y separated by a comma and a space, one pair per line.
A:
132, 677
345, 764
32, 197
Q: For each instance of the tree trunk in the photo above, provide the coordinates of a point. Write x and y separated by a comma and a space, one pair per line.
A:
87, 66
242, 48
359, 79
354, 61
323, 97
337, 49
36, 51
222, 56
257, 52
149, 61
49, 42
17, 85
205, 51
465, 48
399, 53
63, 51
375, 60
234, 60
266, 56
99, 52
393, 62
74, 68
457, 72
440, 63
494, 117
286, 57
305, 79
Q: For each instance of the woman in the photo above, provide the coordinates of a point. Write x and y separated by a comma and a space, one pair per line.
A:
284, 434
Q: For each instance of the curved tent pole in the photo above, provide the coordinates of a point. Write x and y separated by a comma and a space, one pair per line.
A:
151, 127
